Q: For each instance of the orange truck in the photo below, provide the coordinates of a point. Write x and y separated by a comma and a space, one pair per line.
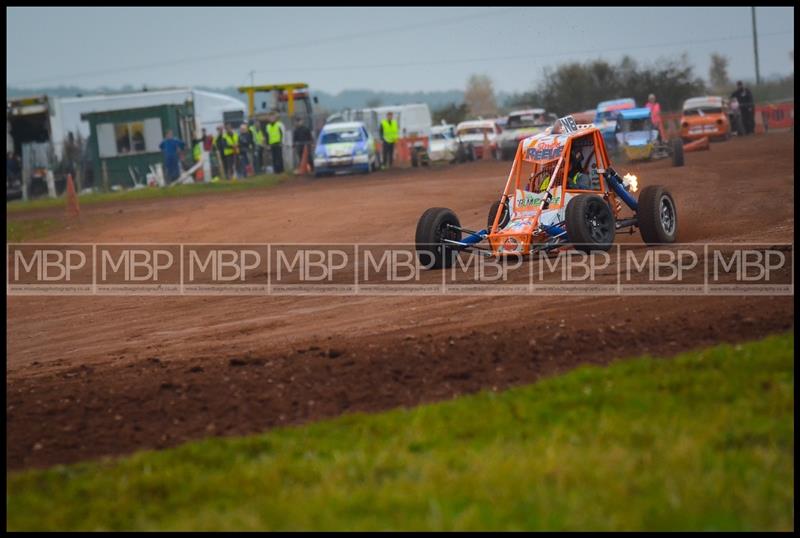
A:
705, 117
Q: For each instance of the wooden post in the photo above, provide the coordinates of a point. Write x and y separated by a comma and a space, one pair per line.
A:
221, 162
78, 176
105, 176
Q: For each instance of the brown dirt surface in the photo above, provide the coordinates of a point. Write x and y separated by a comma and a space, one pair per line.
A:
104, 376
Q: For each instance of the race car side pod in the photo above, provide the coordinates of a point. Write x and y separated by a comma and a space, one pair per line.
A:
616, 184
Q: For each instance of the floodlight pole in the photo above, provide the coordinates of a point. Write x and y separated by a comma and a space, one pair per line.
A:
755, 44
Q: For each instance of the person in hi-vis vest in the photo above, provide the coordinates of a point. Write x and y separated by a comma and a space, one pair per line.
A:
390, 132
275, 141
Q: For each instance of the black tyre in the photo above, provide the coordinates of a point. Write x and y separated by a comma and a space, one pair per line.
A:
658, 218
414, 158
471, 153
590, 223
677, 152
432, 228
461, 154
504, 217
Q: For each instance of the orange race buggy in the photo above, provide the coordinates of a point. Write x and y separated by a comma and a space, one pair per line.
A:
561, 191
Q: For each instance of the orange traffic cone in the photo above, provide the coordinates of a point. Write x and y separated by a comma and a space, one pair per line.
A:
73, 208
698, 145
485, 146
304, 168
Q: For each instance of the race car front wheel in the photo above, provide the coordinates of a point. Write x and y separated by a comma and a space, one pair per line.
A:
504, 216
658, 219
433, 227
590, 223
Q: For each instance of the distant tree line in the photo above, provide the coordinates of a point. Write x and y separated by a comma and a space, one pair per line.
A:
575, 86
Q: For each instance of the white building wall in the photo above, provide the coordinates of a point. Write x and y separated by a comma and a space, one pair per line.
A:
66, 111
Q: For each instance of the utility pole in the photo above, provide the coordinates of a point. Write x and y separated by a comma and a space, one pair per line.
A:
755, 44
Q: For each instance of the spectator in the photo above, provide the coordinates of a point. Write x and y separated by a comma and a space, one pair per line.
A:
231, 149
170, 147
746, 107
219, 146
245, 149
736, 117
303, 141
389, 135
655, 114
275, 141
208, 141
257, 135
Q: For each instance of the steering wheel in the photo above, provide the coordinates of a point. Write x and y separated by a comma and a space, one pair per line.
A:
534, 177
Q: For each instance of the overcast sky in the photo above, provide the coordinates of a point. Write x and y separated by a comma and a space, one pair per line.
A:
400, 49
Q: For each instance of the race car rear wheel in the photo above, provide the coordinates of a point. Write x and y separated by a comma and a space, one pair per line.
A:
504, 217
432, 228
658, 218
590, 223
677, 152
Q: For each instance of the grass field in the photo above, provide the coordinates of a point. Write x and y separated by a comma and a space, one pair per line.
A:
264, 180
35, 228
702, 441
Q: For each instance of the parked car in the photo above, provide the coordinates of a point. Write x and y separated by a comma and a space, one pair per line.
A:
345, 147
605, 118
522, 124
705, 116
472, 133
444, 145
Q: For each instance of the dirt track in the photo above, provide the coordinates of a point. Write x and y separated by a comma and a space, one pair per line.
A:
96, 376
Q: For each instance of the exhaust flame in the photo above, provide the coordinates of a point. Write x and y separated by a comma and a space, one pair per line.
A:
631, 182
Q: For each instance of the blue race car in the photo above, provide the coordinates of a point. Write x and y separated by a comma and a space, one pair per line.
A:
345, 147
606, 118
639, 139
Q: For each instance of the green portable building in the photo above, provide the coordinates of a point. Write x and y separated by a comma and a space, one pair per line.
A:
125, 143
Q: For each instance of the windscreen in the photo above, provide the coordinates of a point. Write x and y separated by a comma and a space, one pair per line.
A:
608, 115
702, 111
525, 120
642, 124
343, 135
475, 130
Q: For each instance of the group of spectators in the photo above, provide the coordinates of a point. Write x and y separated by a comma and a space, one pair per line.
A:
242, 152
256, 146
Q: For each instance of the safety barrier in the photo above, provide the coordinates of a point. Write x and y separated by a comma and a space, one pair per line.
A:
775, 115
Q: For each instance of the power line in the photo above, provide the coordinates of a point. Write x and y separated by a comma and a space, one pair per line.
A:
521, 56
250, 52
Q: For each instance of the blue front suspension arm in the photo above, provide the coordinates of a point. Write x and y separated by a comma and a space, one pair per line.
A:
616, 184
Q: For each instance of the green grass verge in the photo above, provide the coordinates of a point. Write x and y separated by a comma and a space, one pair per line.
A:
30, 229
148, 193
702, 441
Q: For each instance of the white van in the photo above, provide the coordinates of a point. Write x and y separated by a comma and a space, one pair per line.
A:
413, 120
